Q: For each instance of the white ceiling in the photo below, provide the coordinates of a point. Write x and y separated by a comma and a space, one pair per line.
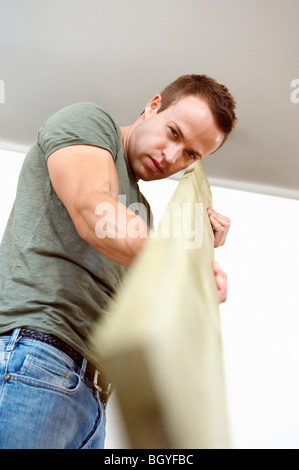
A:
119, 53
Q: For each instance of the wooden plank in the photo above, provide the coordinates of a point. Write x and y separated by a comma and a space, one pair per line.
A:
161, 341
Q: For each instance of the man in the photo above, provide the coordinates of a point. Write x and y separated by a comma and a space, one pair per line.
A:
58, 272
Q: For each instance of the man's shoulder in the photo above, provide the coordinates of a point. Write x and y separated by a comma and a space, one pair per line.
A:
79, 119
83, 123
83, 109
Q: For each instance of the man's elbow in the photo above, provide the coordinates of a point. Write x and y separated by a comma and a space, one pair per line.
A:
81, 227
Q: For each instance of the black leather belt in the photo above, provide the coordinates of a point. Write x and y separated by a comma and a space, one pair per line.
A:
53, 341
99, 380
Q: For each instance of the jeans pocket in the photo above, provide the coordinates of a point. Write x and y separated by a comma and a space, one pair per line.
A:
39, 373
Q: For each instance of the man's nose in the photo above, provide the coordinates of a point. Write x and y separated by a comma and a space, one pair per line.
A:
171, 154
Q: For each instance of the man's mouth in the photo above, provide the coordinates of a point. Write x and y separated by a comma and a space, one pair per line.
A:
155, 166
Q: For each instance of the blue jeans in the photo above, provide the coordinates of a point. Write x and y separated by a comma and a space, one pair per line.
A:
46, 401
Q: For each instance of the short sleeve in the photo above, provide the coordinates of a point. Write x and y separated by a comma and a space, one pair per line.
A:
79, 124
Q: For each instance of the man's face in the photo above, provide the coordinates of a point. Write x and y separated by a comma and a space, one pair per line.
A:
167, 142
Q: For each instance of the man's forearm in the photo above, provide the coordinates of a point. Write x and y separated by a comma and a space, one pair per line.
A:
111, 228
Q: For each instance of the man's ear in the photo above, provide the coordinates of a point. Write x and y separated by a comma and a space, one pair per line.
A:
153, 105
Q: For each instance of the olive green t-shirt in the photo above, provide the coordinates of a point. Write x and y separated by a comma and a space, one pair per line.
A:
51, 280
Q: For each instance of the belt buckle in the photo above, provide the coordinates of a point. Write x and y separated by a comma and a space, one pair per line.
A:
104, 394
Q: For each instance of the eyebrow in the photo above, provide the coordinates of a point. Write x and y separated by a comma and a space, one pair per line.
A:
183, 137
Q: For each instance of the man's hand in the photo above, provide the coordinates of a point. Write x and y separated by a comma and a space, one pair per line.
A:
220, 226
221, 281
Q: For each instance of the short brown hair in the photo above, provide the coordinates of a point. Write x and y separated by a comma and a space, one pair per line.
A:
218, 97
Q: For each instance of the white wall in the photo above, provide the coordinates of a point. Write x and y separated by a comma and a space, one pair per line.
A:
260, 320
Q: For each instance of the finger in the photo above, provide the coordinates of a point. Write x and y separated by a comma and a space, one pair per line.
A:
218, 215
219, 233
216, 223
216, 267
221, 219
218, 270
220, 225
221, 283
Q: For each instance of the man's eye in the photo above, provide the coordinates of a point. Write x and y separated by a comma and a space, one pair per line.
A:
174, 133
191, 154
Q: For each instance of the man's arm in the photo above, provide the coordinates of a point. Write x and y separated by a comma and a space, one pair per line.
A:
85, 177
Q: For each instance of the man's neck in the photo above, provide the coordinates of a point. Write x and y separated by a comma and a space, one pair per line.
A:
126, 133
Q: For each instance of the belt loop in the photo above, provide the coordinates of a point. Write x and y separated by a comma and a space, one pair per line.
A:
83, 367
13, 340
